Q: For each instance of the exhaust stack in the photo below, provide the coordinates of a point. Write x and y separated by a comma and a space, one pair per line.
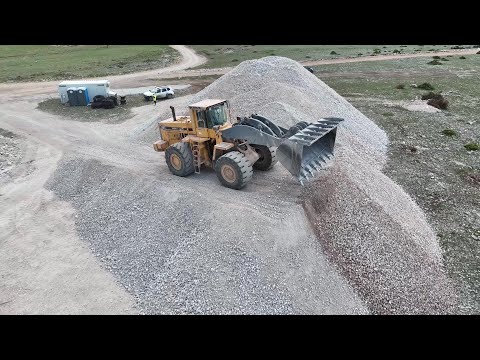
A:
173, 113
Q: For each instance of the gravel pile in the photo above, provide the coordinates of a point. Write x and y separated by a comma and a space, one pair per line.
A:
188, 245
180, 248
284, 91
368, 225
10, 151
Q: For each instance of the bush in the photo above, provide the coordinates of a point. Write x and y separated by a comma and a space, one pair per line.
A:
457, 47
400, 86
360, 54
472, 146
444, 59
426, 86
234, 60
439, 102
434, 62
387, 114
396, 51
333, 53
436, 57
449, 132
403, 45
462, 57
307, 57
377, 51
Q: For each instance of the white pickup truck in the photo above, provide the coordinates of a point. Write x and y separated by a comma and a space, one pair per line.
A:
161, 92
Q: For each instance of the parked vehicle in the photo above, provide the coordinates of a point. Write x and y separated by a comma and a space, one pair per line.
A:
161, 92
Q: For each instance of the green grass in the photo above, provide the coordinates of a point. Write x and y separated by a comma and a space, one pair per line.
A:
49, 62
223, 55
449, 132
472, 146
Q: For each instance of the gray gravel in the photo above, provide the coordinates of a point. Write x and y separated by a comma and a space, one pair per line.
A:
189, 245
10, 153
181, 248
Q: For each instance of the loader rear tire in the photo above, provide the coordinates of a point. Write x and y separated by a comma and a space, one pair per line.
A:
233, 170
179, 159
268, 157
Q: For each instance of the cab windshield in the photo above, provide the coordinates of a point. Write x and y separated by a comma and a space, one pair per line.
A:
217, 115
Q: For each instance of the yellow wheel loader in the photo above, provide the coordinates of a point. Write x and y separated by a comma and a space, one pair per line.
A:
209, 137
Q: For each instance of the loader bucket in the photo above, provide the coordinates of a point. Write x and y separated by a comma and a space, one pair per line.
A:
307, 152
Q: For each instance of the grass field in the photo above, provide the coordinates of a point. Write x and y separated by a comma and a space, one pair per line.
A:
231, 55
49, 62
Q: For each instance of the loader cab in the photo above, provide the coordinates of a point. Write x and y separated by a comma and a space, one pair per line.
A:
210, 115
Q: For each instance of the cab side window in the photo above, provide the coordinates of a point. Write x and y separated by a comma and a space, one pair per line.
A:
201, 119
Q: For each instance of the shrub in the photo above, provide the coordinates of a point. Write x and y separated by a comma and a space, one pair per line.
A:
307, 57
434, 62
403, 45
457, 47
426, 86
436, 57
400, 86
377, 51
472, 146
396, 51
333, 52
438, 102
234, 60
462, 57
360, 54
478, 52
387, 114
444, 59
449, 132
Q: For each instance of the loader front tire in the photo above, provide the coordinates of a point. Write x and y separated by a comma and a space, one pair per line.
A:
233, 170
268, 157
179, 159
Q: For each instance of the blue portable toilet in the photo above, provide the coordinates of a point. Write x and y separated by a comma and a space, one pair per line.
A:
82, 96
72, 96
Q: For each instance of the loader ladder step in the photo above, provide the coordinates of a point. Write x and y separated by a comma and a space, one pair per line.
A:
197, 163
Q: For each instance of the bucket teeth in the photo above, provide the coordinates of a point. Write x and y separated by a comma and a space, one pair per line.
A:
307, 152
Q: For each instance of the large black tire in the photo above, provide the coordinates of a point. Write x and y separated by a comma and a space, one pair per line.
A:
233, 170
268, 157
179, 159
